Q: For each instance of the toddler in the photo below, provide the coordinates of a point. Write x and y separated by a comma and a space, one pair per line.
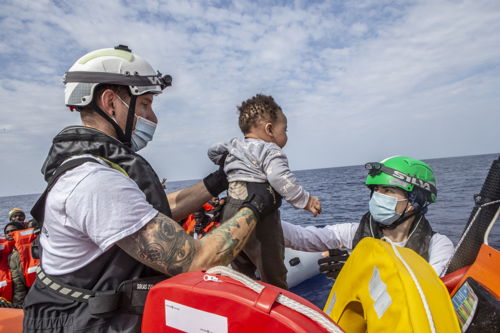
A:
258, 158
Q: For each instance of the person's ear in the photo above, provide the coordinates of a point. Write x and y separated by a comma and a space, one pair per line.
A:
409, 208
107, 102
269, 129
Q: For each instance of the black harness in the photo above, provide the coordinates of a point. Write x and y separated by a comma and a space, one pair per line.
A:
114, 284
38, 210
419, 239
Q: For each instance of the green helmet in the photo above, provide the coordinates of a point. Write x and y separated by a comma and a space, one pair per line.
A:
403, 172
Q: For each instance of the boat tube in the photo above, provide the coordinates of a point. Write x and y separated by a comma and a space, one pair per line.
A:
301, 266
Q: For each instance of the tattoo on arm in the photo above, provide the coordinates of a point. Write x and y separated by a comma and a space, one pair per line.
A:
161, 244
231, 236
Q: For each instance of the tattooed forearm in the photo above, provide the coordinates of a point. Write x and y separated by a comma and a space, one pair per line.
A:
228, 242
161, 244
225, 242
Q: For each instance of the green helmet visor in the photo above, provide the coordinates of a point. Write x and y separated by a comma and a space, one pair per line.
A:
376, 168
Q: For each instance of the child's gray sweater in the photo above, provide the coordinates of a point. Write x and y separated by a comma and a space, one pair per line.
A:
257, 161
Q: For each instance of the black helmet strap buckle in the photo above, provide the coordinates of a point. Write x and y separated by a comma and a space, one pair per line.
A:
376, 168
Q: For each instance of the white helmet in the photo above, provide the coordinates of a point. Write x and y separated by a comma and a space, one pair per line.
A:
118, 66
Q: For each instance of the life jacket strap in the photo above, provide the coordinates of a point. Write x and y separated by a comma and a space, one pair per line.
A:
99, 302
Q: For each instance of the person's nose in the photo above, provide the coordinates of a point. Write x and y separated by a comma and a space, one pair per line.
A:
151, 116
147, 113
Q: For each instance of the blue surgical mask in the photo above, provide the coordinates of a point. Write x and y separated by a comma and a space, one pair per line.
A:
383, 208
143, 132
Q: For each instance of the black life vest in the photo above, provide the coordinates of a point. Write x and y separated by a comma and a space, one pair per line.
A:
77, 140
421, 234
111, 271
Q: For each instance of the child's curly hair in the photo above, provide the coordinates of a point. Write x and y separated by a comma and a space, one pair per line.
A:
256, 109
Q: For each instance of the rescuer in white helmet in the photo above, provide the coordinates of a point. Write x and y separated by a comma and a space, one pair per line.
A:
107, 227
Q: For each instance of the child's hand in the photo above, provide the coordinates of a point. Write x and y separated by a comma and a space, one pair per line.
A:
313, 205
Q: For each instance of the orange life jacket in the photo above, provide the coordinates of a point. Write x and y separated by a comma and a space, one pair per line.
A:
189, 224
23, 240
210, 226
190, 221
208, 207
5, 274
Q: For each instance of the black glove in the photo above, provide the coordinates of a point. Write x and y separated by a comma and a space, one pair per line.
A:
332, 264
216, 182
262, 199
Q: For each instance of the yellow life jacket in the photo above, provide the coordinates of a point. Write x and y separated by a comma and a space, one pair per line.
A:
386, 288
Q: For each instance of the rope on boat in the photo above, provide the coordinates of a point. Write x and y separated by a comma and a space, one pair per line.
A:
428, 313
472, 221
282, 299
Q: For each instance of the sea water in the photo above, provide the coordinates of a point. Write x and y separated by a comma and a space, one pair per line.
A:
344, 198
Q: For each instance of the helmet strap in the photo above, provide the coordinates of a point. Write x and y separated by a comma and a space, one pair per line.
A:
127, 139
124, 137
118, 130
403, 218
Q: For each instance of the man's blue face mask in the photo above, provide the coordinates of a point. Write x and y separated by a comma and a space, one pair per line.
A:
383, 208
143, 132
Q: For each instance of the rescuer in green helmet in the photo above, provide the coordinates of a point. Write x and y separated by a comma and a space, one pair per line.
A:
401, 190
414, 177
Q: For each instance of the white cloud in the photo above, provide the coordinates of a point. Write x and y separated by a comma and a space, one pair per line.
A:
358, 80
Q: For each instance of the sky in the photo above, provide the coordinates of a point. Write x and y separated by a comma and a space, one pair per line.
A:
358, 80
